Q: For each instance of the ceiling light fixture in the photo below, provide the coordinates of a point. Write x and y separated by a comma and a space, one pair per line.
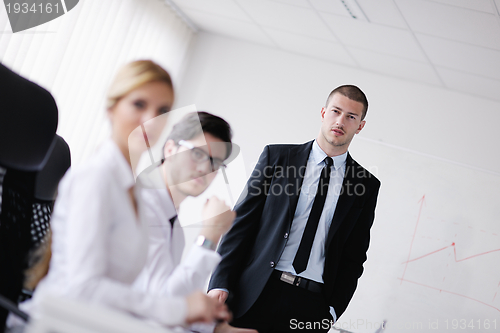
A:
181, 14
354, 10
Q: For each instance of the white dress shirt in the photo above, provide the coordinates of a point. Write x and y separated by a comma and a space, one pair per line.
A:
164, 273
316, 263
100, 243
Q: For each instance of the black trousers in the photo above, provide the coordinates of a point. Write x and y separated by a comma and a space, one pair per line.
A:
282, 307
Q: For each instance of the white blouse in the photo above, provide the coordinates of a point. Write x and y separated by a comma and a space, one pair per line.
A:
100, 244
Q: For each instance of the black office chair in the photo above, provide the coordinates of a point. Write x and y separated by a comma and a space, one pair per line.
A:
12, 308
56, 164
32, 160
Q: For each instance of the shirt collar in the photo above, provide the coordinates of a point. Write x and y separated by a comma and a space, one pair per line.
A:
165, 199
319, 155
123, 171
154, 192
168, 203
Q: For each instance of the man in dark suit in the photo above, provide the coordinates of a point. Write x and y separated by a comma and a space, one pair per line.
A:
296, 250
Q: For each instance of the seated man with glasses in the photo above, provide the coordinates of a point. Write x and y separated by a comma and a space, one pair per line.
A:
194, 151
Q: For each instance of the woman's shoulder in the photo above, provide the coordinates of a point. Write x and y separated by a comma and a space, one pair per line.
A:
92, 169
92, 173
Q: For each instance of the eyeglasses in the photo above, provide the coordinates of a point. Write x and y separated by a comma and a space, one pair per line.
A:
199, 156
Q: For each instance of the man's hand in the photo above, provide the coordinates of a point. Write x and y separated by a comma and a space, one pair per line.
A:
219, 295
201, 308
217, 219
226, 328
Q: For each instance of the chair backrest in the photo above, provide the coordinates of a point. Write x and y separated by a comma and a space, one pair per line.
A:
28, 122
55, 165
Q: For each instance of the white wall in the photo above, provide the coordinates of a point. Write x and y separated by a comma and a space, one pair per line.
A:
421, 141
76, 55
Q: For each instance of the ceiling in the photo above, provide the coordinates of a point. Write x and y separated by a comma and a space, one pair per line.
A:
448, 43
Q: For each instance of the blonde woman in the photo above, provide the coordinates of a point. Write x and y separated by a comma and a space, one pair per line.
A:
99, 237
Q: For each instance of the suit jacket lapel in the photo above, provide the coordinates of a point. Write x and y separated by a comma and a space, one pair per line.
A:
346, 198
297, 162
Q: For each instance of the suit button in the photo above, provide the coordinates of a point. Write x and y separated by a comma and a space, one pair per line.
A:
286, 235
272, 264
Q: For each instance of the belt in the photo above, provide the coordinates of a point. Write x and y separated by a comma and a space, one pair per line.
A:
298, 281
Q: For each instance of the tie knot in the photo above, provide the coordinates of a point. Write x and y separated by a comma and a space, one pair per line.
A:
328, 161
172, 220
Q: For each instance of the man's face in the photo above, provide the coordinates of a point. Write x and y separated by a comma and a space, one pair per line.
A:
341, 120
184, 174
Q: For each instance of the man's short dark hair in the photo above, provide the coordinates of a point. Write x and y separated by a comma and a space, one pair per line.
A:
353, 93
189, 128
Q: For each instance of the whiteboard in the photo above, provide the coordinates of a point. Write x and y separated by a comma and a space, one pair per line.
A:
433, 262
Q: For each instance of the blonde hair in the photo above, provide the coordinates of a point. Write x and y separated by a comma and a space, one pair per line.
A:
132, 76
39, 261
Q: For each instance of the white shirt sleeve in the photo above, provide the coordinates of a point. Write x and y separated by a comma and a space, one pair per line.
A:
165, 274
192, 273
334, 315
163, 277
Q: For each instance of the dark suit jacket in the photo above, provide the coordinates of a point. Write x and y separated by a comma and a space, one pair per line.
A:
265, 211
